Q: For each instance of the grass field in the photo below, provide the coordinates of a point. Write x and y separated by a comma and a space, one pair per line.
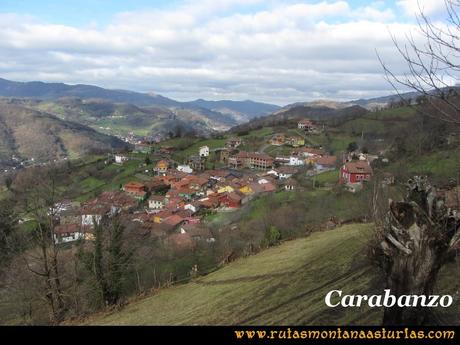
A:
284, 285
327, 178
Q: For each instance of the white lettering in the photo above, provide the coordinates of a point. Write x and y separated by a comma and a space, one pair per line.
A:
450, 300
328, 298
389, 300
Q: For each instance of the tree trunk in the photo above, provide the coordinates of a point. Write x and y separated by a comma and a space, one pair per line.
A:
418, 235
412, 275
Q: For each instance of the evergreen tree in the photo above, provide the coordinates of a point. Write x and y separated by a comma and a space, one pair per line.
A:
110, 261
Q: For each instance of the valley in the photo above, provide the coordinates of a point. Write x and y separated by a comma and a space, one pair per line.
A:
214, 215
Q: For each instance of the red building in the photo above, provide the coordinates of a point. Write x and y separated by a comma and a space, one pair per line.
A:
230, 200
355, 172
138, 190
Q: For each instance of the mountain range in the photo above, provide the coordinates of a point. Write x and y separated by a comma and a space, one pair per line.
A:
221, 114
47, 121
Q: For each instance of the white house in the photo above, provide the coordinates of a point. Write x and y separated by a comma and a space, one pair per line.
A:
273, 172
67, 233
286, 172
120, 159
306, 125
294, 161
185, 168
89, 219
191, 207
204, 151
156, 202
291, 184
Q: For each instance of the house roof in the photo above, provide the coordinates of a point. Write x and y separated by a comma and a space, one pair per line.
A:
159, 198
201, 181
173, 220
291, 182
210, 201
327, 160
185, 190
138, 193
66, 229
309, 150
358, 167
155, 183
135, 185
106, 200
254, 155
234, 196
163, 214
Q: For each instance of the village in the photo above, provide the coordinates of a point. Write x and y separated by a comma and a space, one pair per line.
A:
173, 203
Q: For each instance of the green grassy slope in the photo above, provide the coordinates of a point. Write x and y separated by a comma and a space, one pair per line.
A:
281, 286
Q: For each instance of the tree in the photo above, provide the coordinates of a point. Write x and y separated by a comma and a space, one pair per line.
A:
8, 182
108, 261
36, 190
8, 227
433, 65
417, 237
273, 236
353, 146
147, 160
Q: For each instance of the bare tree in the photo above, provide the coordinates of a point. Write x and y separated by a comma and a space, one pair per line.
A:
433, 65
37, 193
417, 237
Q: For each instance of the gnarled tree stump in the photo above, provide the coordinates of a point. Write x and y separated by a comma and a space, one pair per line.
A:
417, 237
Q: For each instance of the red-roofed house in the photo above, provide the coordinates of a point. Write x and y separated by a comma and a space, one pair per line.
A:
230, 200
355, 172
326, 162
66, 233
161, 216
137, 190
306, 125
174, 220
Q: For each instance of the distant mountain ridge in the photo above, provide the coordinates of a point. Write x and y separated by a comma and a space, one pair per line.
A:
250, 108
238, 111
27, 134
53, 91
368, 103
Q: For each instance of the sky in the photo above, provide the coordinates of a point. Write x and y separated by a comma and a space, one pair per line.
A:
272, 51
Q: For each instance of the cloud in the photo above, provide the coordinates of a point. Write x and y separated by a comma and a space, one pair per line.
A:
277, 52
428, 7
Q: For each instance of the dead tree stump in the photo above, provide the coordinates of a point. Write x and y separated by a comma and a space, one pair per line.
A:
418, 235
